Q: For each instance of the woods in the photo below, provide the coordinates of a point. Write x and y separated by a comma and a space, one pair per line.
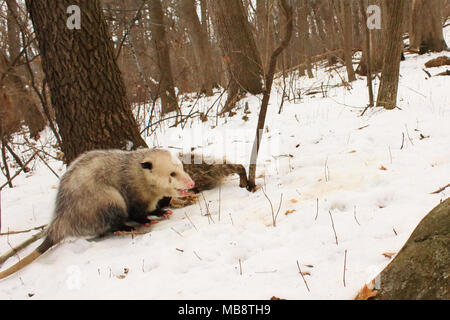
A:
319, 103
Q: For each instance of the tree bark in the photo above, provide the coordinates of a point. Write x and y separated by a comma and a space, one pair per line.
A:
347, 27
305, 44
387, 94
86, 86
200, 42
166, 85
426, 26
377, 43
22, 97
238, 47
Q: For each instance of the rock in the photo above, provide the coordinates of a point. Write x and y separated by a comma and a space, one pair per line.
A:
421, 270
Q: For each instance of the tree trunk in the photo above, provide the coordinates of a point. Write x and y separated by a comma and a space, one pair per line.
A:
200, 42
377, 43
387, 94
305, 43
238, 47
166, 86
266, 97
426, 26
421, 269
86, 86
347, 26
22, 97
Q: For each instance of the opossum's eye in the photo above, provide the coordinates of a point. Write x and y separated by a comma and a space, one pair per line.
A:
147, 165
173, 174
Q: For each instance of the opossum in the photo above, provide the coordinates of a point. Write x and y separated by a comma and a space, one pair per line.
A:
103, 189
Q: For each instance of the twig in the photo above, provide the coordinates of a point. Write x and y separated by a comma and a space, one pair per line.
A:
21, 246
441, 189
345, 266
317, 208
231, 218
240, 267
208, 213
190, 221
390, 154
332, 224
354, 215
220, 200
176, 232
407, 133
18, 172
132, 233
23, 231
301, 273
197, 256
274, 216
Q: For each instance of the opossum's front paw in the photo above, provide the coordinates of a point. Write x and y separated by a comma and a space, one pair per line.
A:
162, 213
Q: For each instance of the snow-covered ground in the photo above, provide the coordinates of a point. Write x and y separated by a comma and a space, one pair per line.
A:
373, 174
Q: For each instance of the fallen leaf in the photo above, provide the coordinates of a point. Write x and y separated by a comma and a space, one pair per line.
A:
353, 151
276, 298
367, 292
306, 273
382, 168
293, 200
389, 255
289, 211
121, 276
54, 187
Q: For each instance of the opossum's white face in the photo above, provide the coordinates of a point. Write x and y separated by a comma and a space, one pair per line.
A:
165, 171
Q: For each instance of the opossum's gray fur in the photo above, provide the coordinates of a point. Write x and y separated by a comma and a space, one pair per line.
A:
103, 189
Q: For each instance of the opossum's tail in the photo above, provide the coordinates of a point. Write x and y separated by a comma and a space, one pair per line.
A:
47, 244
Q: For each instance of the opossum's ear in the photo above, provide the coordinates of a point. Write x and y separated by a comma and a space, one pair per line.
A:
147, 165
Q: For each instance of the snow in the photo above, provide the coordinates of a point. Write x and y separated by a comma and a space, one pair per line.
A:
372, 174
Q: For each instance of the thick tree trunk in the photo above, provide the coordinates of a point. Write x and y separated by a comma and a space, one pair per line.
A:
426, 26
387, 94
238, 47
86, 86
166, 85
200, 42
421, 270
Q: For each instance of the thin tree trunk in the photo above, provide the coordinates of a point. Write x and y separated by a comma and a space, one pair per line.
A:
167, 90
265, 102
347, 27
387, 94
305, 43
21, 96
86, 86
366, 49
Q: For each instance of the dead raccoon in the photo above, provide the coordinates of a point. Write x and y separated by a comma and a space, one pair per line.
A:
103, 189
206, 176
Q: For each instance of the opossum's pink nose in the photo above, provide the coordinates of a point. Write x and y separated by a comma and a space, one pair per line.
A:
191, 184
